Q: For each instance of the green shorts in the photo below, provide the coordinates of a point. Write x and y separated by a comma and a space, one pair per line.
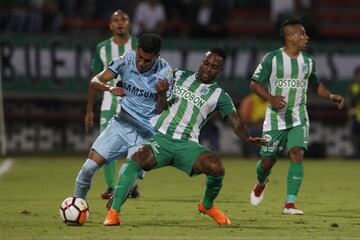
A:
279, 139
181, 154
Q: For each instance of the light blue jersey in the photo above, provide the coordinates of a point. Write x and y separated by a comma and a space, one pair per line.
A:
140, 99
131, 127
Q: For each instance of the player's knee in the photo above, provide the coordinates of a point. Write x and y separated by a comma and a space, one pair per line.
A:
96, 157
267, 164
220, 171
215, 167
138, 156
144, 158
296, 154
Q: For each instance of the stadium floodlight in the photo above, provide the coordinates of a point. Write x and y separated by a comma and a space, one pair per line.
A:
2, 117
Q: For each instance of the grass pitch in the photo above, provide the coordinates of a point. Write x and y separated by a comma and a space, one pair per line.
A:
32, 190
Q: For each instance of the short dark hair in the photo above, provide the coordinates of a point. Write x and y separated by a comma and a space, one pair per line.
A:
288, 23
150, 43
218, 51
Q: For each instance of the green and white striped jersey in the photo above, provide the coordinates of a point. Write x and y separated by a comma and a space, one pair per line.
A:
191, 105
105, 52
288, 77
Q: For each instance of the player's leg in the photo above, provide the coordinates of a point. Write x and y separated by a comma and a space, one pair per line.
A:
145, 158
109, 173
263, 171
209, 164
297, 143
107, 147
88, 170
134, 189
127, 178
142, 159
193, 159
294, 180
269, 153
109, 169
135, 137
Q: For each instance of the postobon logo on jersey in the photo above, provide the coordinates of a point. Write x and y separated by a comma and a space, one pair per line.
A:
189, 96
290, 83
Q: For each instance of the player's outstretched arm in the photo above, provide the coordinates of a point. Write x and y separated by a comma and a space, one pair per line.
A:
242, 131
323, 92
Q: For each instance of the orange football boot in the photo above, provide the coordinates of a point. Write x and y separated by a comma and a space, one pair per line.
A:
112, 218
216, 214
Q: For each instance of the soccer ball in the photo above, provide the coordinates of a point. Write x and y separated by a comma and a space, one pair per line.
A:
74, 211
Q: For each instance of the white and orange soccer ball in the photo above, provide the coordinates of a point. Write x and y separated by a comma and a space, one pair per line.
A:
74, 211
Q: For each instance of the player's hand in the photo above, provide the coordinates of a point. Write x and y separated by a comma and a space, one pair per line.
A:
338, 100
277, 102
162, 86
257, 141
118, 91
89, 120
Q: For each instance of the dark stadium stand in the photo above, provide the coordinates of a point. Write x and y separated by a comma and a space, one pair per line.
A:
249, 22
337, 18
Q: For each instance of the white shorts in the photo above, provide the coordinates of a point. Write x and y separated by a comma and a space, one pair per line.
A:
123, 134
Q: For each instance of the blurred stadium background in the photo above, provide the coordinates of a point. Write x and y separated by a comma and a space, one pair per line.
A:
46, 48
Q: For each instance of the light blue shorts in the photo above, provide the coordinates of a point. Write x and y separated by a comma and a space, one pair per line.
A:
123, 134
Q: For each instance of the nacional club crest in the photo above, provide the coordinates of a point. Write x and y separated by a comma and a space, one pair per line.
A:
305, 68
204, 90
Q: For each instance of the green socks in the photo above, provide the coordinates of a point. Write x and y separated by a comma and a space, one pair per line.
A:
291, 198
128, 176
294, 180
213, 187
109, 170
262, 175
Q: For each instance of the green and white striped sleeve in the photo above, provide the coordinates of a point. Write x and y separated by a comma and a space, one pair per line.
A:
225, 104
263, 70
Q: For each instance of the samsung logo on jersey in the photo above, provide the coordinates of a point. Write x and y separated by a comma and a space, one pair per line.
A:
189, 96
290, 83
138, 92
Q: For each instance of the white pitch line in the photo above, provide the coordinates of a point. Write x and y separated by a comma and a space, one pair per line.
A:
5, 166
